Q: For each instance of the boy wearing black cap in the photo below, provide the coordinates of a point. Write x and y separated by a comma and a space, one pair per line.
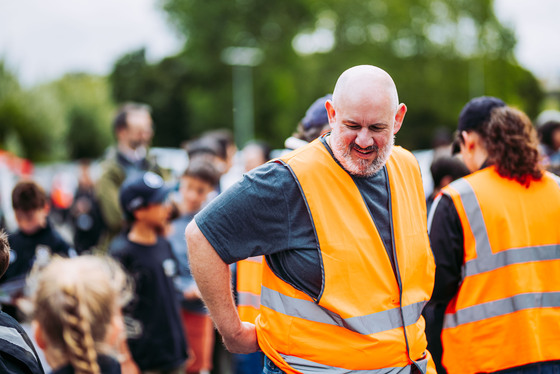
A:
154, 331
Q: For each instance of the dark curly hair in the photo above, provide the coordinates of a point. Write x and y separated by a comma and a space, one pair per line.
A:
512, 145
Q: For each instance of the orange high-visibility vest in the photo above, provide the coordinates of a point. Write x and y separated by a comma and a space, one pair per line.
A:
507, 310
357, 322
249, 280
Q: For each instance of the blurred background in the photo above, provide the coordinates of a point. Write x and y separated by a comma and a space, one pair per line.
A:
255, 66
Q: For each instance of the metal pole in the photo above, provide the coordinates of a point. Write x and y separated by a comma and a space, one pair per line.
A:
243, 116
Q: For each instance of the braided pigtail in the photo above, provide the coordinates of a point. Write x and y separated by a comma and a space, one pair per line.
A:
75, 302
76, 333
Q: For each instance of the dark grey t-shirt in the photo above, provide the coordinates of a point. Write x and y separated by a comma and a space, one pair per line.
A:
265, 214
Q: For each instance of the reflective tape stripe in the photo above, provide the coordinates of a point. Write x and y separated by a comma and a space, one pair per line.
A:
474, 216
502, 307
555, 177
486, 260
11, 335
248, 299
257, 259
307, 366
512, 256
365, 325
432, 211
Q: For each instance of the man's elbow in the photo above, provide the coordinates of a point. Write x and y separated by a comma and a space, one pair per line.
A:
192, 235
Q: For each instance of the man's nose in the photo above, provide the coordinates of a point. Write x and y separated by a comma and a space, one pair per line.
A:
364, 138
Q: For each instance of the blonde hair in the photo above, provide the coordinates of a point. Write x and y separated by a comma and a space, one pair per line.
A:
74, 302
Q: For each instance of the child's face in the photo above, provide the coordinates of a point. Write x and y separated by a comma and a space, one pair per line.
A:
194, 192
155, 215
29, 222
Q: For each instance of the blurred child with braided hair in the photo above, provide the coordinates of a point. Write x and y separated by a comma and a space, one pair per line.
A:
77, 320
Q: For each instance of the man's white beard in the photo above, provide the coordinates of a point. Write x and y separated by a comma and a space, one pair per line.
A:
361, 167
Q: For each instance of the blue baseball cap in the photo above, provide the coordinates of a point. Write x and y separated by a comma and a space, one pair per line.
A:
142, 190
316, 115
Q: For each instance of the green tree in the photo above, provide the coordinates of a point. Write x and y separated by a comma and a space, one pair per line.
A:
87, 111
65, 119
26, 122
164, 86
440, 53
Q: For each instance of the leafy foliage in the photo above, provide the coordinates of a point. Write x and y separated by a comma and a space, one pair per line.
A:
66, 119
440, 53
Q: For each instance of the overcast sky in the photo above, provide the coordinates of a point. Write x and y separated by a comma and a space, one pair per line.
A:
42, 40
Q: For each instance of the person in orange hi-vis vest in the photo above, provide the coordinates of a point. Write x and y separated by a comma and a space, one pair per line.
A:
496, 241
341, 223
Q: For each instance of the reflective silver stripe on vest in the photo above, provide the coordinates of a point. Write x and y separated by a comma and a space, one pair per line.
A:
513, 256
257, 259
248, 299
306, 366
13, 336
555, 177
365, 325
502, 307
474, 216
486, 260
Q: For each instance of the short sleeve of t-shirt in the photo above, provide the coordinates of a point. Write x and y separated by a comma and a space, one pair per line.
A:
262, 214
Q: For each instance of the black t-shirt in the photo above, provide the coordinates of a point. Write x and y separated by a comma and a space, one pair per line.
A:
154, 328
26, 249
265, 213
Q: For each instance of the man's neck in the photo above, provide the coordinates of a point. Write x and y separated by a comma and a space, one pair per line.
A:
132, 155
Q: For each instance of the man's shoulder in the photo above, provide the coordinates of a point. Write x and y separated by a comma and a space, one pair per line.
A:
110, 166
272, 175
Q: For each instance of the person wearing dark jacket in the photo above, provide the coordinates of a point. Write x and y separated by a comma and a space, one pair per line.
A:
17, 353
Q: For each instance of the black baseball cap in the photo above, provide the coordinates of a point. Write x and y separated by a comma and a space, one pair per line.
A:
142, 190
477, 112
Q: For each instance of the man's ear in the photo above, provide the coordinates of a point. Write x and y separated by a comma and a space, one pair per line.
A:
331, 113
38, 335
399, 118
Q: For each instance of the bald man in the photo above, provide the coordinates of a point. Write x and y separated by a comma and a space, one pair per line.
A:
342, 225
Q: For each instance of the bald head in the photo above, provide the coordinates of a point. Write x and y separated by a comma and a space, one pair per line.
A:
364, 115
366, 81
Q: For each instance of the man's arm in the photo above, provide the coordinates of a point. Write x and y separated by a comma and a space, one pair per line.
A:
213, 278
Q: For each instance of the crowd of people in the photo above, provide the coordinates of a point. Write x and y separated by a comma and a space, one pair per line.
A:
328, 258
